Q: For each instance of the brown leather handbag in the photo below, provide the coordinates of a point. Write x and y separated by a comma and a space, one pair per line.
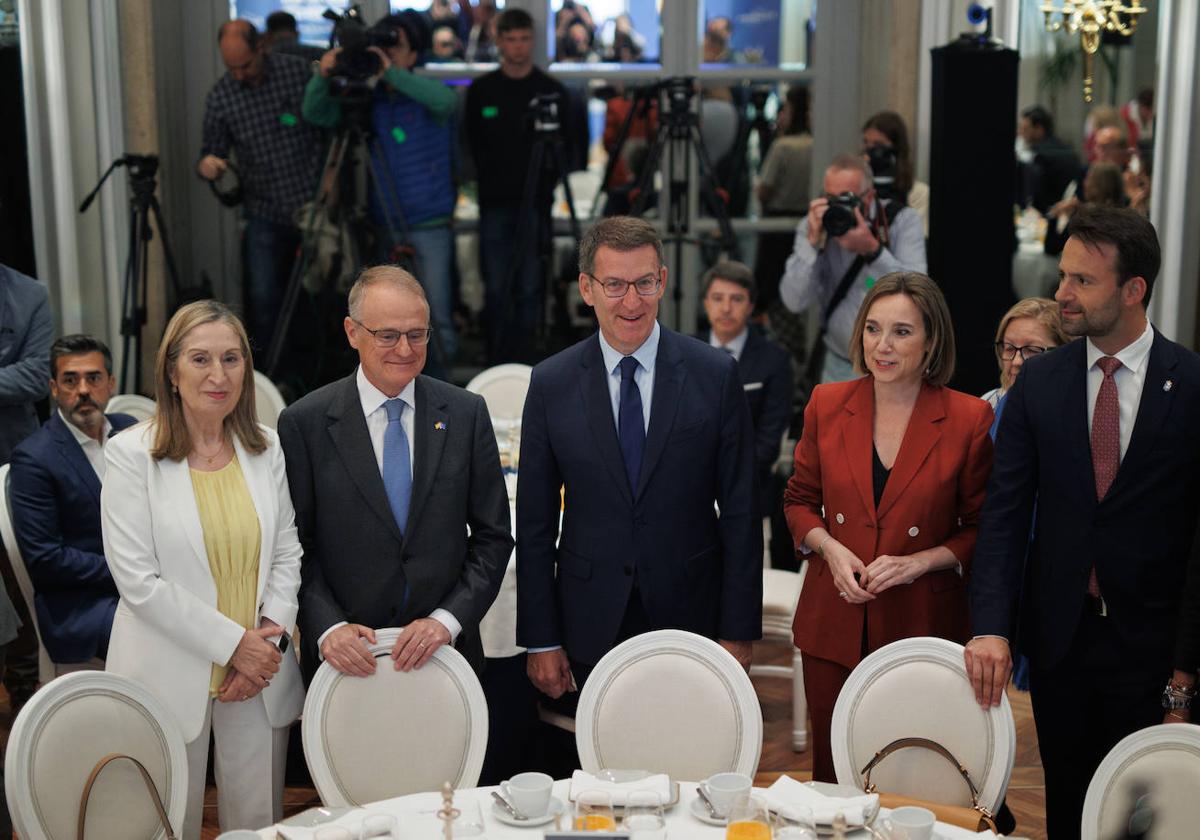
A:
150, 788
975, 818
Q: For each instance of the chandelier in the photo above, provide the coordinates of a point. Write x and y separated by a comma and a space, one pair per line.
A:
1091, 19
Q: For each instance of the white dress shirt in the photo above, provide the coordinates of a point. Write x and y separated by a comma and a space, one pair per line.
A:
643, 377
93, 449
735, 345
373, 409
1130, 377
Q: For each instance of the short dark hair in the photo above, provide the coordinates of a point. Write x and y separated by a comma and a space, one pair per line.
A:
416, 31
244, 28
281, 22
797, 97
1138, 251
621, 233
76, 345
730, 271
513, 19
1145, 97
1039, 117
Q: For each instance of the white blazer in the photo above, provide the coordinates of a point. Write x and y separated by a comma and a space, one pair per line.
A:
167, 632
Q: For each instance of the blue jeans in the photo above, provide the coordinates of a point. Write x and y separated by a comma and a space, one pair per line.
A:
270, 252
512, 302
434, 268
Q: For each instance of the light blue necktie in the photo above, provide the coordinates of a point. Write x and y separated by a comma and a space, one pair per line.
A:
397, 472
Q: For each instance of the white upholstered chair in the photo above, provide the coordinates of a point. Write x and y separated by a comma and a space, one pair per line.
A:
669, 702
394, 733
503, 388
46, 668
1161, 763
781, 592
134, 405
268, 402
58, 738
918, 688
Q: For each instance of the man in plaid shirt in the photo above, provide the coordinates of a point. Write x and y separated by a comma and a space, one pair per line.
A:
253, 111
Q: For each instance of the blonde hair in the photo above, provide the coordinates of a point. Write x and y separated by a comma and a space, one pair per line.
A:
172, 440
939, 331
1042, 310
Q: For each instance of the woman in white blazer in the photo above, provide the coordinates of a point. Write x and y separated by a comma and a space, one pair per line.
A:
201, 539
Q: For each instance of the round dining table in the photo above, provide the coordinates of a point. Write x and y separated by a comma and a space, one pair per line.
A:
417, 817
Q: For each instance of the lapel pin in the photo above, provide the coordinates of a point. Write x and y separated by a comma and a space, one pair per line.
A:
1168, 385
439, 426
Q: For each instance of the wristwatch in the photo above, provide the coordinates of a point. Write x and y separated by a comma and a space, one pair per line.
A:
1177, 697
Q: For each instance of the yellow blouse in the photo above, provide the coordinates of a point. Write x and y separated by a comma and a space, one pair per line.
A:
232, 538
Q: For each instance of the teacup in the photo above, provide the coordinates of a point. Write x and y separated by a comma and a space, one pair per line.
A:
910, 823
529, 793
723, 788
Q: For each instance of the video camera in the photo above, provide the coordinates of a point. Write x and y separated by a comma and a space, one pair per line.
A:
839, 217
356, 65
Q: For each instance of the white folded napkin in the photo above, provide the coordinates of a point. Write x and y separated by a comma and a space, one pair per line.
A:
659, 783
788, 791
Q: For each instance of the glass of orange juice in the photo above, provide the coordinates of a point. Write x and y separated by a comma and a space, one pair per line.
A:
594, 811
748, 819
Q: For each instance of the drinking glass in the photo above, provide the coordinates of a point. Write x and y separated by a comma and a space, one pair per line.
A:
644, 819
469, 822
794, 822
594, 811
748, 819
379, 827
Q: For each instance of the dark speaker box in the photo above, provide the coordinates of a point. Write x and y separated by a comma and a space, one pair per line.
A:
972, 177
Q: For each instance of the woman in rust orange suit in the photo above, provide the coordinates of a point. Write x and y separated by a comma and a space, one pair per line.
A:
888, 484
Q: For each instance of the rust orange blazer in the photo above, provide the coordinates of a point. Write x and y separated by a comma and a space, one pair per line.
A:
933, 497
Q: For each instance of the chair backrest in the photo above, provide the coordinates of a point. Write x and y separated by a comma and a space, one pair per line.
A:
503, 388
267, 400
670, 702
394, 733
21, 573
1161, 763
918, 688
60, 735
134, 405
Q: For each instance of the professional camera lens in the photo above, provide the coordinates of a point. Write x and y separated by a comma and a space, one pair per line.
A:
839, 216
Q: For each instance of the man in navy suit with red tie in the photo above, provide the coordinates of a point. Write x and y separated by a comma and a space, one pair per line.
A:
1104, 434
647, 434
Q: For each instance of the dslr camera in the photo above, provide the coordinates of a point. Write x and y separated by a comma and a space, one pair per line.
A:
839, 216
883, 171
356, 65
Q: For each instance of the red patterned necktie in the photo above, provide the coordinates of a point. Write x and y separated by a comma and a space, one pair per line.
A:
1106, 440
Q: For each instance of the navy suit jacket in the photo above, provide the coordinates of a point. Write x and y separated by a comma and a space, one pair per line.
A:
695, 571
1138, 536
55, 496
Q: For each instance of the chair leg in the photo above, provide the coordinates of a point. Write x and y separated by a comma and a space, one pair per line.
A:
799, 705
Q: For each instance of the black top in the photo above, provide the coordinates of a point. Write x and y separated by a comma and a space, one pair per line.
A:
879, 475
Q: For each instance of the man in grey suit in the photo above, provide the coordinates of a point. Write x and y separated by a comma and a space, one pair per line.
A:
26, 330
400, 500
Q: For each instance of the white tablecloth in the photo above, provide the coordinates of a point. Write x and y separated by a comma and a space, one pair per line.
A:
418, 821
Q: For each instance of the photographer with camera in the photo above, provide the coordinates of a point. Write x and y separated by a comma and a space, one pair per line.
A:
849, 239
253, 112
411, 118
500, 129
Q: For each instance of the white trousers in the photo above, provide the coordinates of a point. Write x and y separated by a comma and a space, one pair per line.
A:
248, 758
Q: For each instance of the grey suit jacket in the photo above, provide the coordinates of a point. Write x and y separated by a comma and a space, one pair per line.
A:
26, 332
357, 567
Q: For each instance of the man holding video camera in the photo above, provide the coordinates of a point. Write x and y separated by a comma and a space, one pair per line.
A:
501, 132
411, 120
849, 239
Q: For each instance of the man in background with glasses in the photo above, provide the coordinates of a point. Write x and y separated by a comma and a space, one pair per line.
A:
642, 435
400, 503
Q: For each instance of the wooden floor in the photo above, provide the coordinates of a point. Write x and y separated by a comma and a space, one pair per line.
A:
1026, 795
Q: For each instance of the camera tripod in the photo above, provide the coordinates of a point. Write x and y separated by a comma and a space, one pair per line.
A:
679, 134
354, 138
142, 202
547, 166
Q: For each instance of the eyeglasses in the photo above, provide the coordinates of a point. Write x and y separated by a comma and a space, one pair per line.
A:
614, 288
389, 338
1008, 352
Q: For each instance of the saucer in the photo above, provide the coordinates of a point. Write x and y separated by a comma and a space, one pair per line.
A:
556, 807
700, 812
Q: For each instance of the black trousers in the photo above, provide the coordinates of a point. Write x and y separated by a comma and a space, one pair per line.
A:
1102, 691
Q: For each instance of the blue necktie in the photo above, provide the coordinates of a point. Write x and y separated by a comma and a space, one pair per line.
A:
397, 472
631, 428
